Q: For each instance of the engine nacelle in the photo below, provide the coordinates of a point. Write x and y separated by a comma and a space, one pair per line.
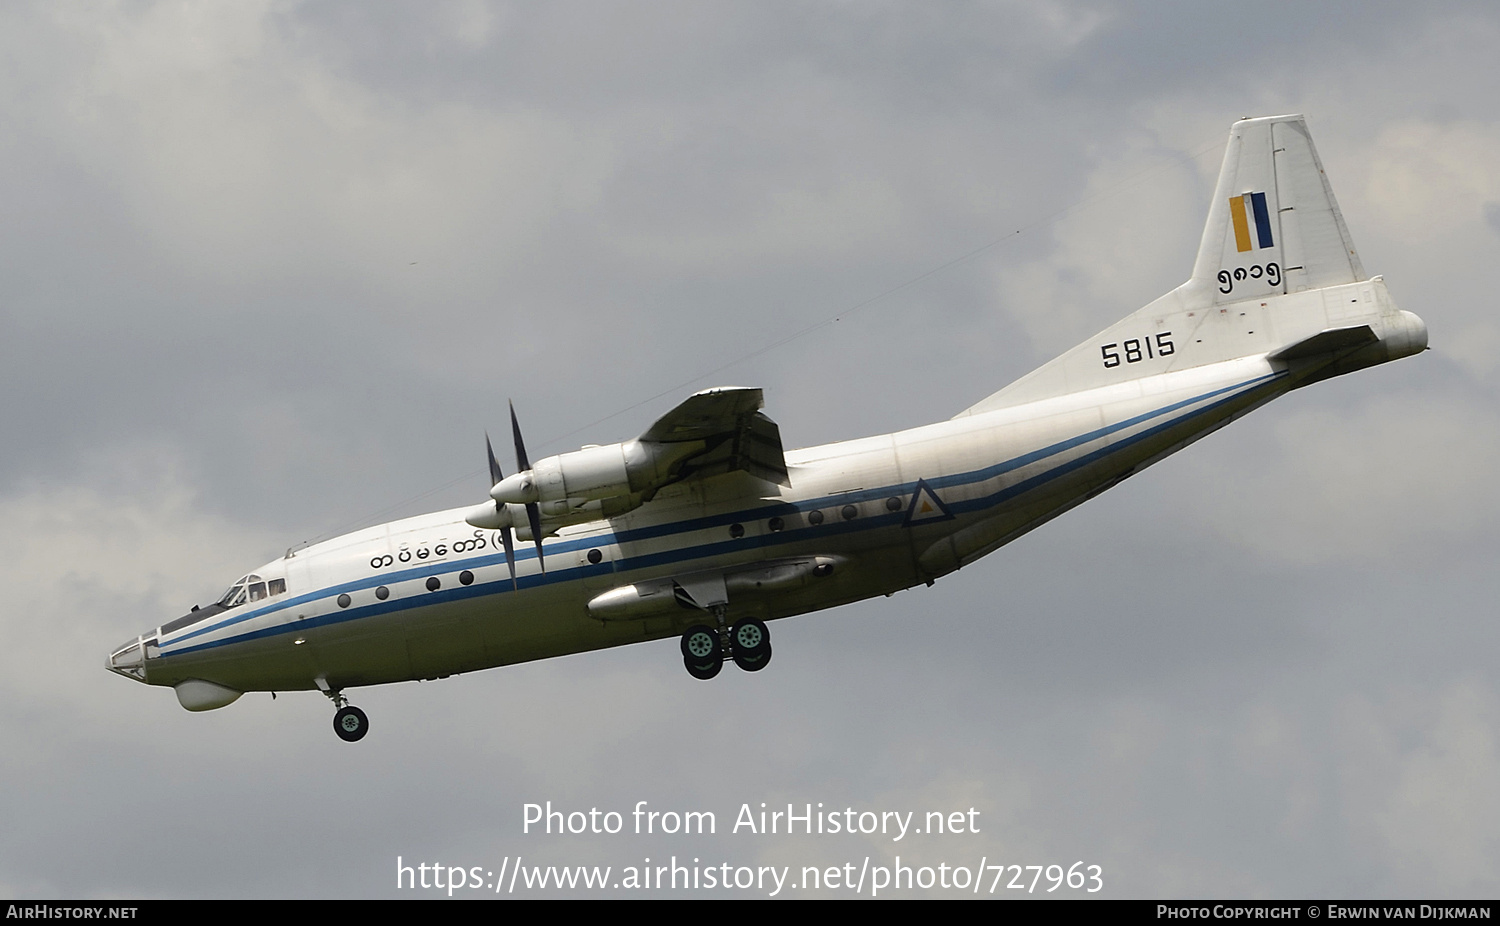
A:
595, 473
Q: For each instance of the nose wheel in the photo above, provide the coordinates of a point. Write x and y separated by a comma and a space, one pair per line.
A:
351, 724
748, 643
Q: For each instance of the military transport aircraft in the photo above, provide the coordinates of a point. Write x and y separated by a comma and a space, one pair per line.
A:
704, 529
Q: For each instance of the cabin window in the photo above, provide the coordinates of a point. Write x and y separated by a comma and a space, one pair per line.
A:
277, 586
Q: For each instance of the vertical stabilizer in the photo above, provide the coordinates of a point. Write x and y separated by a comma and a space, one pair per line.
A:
1274, 226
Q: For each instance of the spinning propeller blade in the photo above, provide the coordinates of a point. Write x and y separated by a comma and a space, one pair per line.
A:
533, 513
495, 473
495, 476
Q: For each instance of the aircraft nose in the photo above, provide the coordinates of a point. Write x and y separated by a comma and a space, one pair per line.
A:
129, 659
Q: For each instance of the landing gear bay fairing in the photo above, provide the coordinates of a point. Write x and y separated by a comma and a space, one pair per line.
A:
704, 529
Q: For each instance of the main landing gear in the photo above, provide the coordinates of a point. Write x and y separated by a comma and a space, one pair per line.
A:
748, 643
349, 722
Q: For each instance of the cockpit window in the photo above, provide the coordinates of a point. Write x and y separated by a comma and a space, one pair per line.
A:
251, 588
239, 592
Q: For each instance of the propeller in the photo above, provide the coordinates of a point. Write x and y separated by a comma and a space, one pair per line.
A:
533, 512
495, 476
519, 489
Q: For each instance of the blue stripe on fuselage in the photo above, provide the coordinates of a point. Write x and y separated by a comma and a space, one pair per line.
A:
699, 551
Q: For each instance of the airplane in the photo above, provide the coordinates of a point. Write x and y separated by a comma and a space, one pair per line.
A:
703, 528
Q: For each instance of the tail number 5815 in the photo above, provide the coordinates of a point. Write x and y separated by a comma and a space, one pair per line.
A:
1135, 350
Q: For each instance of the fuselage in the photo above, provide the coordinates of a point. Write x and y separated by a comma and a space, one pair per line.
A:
431, 596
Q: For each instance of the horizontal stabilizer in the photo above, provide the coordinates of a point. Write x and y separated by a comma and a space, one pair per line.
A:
1327, 342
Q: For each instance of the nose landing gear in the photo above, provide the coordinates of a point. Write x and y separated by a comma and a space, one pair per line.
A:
349, 722
748, 643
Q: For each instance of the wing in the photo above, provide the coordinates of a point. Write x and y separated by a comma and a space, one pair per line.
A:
712, 432
737, 434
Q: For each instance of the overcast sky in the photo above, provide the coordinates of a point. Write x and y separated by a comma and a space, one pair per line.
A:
268, 271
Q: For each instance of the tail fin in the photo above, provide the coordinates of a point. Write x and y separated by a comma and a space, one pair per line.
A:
1274, 226
1276, 275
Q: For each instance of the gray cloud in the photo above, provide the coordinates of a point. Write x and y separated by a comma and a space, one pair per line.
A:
272, 270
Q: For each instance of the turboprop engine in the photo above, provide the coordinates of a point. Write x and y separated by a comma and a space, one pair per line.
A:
594, 473
715, 431
566, 484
